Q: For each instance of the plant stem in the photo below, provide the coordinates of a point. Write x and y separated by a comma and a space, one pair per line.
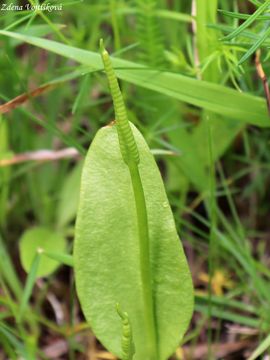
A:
212, 237
130, 154
144, 243
206, 11
113, 7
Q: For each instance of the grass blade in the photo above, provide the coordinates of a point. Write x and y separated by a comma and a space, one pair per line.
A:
213, 97
235, 15
62, 258
7, 270
31, 278
248, 22
261, 348
255, 46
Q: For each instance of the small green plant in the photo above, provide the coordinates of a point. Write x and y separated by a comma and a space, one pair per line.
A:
45, 239
127, 250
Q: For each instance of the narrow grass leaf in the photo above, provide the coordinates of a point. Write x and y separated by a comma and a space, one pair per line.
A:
248, 34
255, 46
34, 30
174, 15
231, 316
220, 99
255, 2
261, 348
30, 282
62, 258
226, 302
6, 332
248, 22
160, 13
236, 15
8, 272
82, 94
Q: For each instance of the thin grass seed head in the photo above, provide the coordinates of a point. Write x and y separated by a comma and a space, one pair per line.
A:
128, 146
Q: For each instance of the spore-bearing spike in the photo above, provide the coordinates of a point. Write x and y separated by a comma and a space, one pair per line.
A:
128, 146
128, 348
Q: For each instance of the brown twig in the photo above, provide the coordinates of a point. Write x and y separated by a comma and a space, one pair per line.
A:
21, 99
40, 155
219, 350
263, 78
56, 349
104, 355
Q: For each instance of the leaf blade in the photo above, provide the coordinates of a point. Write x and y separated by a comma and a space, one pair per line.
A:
113, 249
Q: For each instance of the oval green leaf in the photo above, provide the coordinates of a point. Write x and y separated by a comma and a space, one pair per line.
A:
40, 238
106, 251
69, 197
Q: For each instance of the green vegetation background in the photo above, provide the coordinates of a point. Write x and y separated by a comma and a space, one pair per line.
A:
202, 113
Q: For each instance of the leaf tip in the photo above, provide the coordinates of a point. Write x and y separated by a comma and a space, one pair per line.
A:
120, 312
40, 250
242, 60
101, 46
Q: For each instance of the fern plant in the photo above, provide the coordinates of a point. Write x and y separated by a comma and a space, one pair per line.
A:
149, 34
127, 249
261, 14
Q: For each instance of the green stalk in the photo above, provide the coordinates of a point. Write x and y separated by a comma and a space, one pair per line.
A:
116, 33
142, 220
129, 151
206, 40
212, 237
